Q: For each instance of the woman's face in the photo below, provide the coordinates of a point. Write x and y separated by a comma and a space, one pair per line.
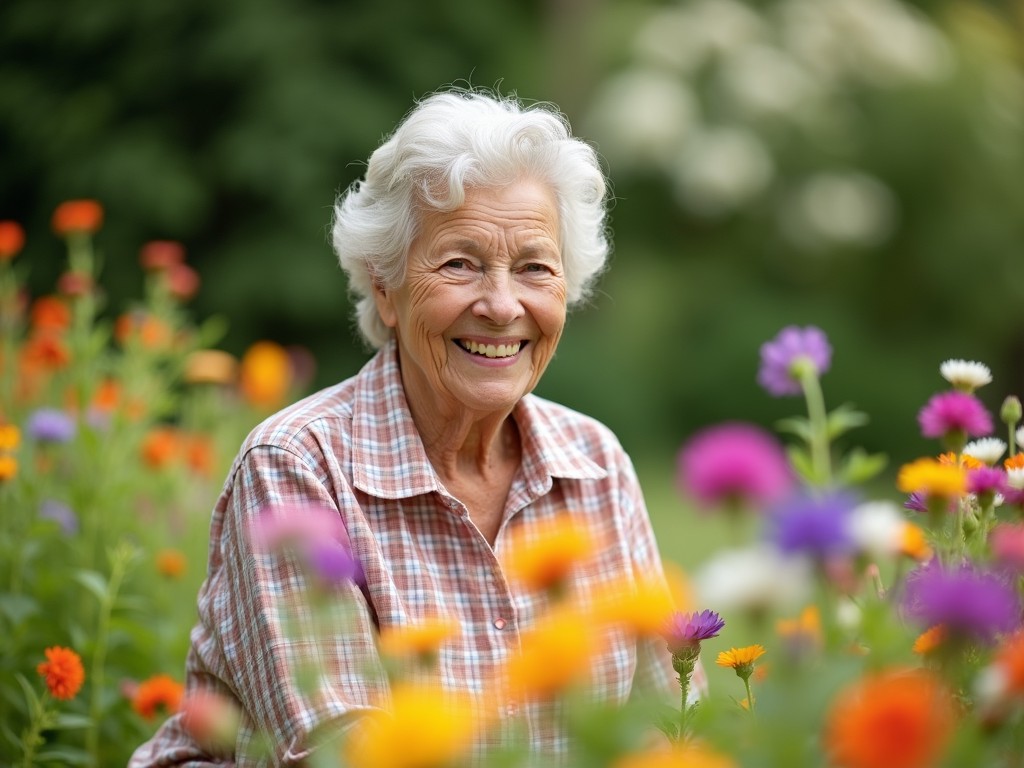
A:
482, 306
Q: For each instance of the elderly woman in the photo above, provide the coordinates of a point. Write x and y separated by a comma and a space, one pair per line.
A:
478, 223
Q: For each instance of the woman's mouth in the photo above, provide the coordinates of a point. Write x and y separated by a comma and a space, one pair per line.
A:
492, 351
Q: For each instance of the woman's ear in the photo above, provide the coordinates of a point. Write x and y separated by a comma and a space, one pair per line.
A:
382, 297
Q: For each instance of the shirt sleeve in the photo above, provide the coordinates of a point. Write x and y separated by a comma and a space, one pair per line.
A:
296, 659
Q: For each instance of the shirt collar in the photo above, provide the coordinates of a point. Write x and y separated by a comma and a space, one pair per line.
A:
388, 457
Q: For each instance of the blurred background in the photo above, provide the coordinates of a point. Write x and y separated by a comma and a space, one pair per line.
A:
853, 164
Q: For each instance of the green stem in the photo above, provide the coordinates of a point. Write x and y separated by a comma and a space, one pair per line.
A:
684, 707
817, 416
750, 697
32, 736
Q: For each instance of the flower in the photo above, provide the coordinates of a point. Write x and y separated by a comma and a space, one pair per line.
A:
1010, 659
421, 640
932, 479
211, 719
77, 216
171, 563
1006, 543
684, 631
891, 719
641, 607
10, 437
265, 374
182, 282
332, 562
63, 672
142, 328
929, 640
160, 446
156, 693
791, 351
50, 313
964, 375
555, 654
423, 727
877, 528
802, 633
954, 412
316, 532
986, 449
12, 240
814, 525
734, 464
60, 513
160, 255
914, 544
971, 603
756, 579
542, 557
50, 425
687, 754
741, 660
1014, 467
210, 366
8, 467
986, 482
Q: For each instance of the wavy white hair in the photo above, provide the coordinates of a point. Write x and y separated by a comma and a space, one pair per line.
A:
452, 140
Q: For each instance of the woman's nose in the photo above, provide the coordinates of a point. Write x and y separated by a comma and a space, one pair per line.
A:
499, 300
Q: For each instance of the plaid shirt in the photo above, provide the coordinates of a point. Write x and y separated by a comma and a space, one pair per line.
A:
354, 447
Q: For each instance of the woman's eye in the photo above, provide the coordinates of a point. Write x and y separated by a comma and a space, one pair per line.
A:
535, 268
456, 263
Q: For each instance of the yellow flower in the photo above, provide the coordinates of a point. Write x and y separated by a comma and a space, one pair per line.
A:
913, 543
929, 640
10, 437
804, 630
265, 374
688, 754
555, 654
423, 639
738, 658
8, 467
932, 478
424, 727
641, 608
543, 556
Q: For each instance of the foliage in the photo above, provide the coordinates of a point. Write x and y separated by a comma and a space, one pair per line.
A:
116, 429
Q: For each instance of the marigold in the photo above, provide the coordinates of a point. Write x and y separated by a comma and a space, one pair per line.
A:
199, 454
735, 658
641, 608
265, 374
171, 563
893, 719
8, 467
929, 640
688, 754
160, 447
424, 727
63, 672
44, 352
1010, 658
555, 654
932, 478
12, 240
542, 557
77, 216
420, 640
10, 437
913, 543
160, 692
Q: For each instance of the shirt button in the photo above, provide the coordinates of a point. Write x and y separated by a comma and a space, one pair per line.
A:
499, 623
512, 709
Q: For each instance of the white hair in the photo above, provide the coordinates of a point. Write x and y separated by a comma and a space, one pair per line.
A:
452, 140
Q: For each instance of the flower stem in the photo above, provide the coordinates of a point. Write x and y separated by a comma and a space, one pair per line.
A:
750, 697
817, 416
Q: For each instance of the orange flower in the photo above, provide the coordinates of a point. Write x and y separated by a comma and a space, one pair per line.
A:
211, 719
182, 282
1010, 658
555, 654
198, 451
929, 640
804, 631
171, 563
687, 754
158, 692
266, 374
8, 467
45, 352
142, 328
893, 719
642, 608
50, 313
159, 255
10, 437
63, 672
913, 543
419, 640
542, 557
160, 447
210, 366
12, 240
76, 216
1014, 462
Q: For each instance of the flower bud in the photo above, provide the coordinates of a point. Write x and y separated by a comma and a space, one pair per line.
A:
1010, 413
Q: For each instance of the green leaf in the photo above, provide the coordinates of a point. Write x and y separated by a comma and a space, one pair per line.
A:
795, 425
94, 581
801, 462
30, 694
859, 466
843, 419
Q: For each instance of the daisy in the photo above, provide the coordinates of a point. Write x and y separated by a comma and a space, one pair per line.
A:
986, 449
965, 375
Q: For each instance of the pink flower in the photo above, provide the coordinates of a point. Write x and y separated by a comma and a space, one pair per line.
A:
316, 532
734, 464
954, 412
1007, 545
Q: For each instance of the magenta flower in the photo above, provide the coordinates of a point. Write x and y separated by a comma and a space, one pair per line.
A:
1006, 542
954, 412
316, 532
684, 631
816, 525
782, 357
734, 464
986, 481
969, 602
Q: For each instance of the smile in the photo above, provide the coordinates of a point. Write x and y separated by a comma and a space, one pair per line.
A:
490, 350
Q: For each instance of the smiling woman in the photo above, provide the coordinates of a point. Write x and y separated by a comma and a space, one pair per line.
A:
479, 223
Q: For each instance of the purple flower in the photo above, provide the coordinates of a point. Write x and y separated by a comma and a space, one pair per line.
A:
817, 525
954, 412
984, 481
916, 502
969, 602
316, 532
684, 631
50, 425
791, 348
62, 514
734, 463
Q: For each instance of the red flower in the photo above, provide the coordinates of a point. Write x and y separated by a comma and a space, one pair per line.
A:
158, 692
63, 671
76, 216
160, 255
12, 239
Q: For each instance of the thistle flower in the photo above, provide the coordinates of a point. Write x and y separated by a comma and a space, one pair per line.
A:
953, 416
988, 450
817, 526
734, 464
971, 603
50, 425
683, 632
986, 482
63, 672
792, 351
965, 375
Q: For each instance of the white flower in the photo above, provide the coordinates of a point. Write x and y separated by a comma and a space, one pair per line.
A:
1019, 436
757, 577
986, 449
720, 170
877, 528
1015, 478
965, 375
848, 614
